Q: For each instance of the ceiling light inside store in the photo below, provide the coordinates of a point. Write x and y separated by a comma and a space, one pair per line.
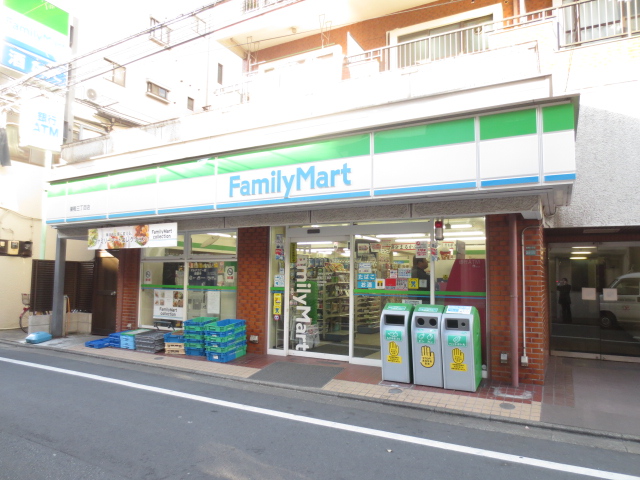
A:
464, 239
577, 258
328, 244
368, 238
398, 235
220, 234
580, 247
409, 240
581, 253
459, 234
461, 225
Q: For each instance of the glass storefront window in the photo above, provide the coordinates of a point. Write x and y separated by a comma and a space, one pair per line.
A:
213, 244
163, 252
277, 283
203, 285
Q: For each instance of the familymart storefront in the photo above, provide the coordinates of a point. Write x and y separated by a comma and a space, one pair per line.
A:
351, 212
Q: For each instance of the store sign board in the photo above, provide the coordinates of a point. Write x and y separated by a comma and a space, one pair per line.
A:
135, 236
34, 38
42, 124
168, 304
337, 178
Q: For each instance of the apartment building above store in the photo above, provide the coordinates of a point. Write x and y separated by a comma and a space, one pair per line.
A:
426, 70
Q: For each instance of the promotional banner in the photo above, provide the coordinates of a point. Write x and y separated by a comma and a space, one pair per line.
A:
168, 304
134, 236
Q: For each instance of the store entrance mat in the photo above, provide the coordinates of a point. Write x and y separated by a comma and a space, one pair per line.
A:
298, 374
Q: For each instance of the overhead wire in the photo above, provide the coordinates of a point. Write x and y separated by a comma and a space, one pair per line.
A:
90, 65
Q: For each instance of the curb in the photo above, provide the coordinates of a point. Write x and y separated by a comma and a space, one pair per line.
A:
478, 416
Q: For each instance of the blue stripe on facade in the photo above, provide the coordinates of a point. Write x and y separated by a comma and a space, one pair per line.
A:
132, 214
510, 181
559, 177
83, 219
60, 220
313, 198
429, 188
186, 209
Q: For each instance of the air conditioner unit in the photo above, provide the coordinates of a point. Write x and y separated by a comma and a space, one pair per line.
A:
89, 94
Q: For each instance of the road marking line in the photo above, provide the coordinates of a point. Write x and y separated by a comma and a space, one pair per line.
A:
589, 472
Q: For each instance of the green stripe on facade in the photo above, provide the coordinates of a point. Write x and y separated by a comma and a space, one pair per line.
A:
346, 147
133, 179
558, 118
510, 124
59, 190
400, 293
87, 186
226, 248
199, 287
42, 12
198, 168
432, 135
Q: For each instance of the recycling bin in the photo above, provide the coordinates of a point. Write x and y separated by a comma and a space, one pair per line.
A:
395, 344
426, 346
461, 348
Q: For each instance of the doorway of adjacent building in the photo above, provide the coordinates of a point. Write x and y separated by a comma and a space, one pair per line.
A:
594, 291
103, 321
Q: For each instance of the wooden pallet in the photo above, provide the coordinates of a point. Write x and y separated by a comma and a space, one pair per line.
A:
173, 346
174, 351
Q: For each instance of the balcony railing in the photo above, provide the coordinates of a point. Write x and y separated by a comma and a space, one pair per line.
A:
479, 55
253, 5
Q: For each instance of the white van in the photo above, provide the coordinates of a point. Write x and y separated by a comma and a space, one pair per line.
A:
627, 307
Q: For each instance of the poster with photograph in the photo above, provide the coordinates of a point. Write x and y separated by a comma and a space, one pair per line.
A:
134, 236
168, 304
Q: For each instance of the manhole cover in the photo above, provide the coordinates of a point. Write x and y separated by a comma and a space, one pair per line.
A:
395, 390
507, 406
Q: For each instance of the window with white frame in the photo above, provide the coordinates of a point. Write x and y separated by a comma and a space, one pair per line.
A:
159, 32
116, 74
156, 91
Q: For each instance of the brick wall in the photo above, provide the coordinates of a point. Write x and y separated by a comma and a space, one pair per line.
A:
128, 289
373, 33
253, 283
499, 299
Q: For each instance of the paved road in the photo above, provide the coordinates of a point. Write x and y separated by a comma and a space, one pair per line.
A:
65, 416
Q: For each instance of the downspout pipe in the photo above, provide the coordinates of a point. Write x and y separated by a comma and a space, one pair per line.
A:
514, 301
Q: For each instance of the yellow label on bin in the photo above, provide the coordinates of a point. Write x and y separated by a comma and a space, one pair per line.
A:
460, 367
394, 359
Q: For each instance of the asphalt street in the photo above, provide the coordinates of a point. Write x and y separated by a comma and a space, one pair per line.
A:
64, 416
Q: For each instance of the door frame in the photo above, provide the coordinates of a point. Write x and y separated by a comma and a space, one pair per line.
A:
348, 233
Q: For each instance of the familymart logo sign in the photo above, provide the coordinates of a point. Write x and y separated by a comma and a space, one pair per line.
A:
302, 308
336, 177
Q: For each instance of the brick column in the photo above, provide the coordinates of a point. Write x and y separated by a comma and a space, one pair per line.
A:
253, 283
128, 288
498, 299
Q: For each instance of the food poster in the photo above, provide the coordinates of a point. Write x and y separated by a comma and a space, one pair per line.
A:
134, 236
168, 304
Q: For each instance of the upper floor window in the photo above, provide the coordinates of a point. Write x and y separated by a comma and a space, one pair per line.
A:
116, 74
190, 103
160, 32
157, 91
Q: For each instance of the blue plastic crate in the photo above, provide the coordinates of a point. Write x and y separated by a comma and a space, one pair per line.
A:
228, 325
173, 338
196, 352
226, 357
98, 343
226, 349
224, 341
128, 342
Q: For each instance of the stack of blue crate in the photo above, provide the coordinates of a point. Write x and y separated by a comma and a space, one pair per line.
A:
194, 335
226, 340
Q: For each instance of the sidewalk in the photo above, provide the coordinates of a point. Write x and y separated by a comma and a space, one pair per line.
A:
582, 396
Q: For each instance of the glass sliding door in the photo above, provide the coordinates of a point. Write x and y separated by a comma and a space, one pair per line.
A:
319, 299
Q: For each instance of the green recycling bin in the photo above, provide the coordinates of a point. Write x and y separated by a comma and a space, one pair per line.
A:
395, 344
426, 345
461, 348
